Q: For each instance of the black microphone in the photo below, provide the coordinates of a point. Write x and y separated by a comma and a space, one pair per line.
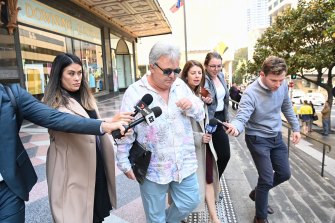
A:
211, 126
143, 103
157, 112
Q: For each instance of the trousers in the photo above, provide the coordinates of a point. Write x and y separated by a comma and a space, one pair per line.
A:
184, 196
270, 156
12, 207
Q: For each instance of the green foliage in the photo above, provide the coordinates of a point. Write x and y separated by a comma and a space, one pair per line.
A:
239, 65
305, 38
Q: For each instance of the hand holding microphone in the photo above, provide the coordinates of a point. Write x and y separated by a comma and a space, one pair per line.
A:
228, 127
122, 116
156, 112
108, 127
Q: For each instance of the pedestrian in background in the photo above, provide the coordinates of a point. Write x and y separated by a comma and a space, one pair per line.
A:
313, 118
218, 109
326, 118
17, 175
173, 161
234, 94
208, 176
80, 168
306, 113
260, 114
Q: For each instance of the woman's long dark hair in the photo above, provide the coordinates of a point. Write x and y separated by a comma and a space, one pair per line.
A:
55, 96
189, 64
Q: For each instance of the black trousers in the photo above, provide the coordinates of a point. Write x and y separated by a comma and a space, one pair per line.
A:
221, 145
12, 208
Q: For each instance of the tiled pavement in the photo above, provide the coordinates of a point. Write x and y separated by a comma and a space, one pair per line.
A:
238, 181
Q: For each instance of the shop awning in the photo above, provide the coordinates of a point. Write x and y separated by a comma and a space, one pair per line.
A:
139, 18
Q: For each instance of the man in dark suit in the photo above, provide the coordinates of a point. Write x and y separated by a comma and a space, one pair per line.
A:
17, 175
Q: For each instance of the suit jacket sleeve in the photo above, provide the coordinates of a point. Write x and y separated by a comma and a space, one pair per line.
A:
33, 110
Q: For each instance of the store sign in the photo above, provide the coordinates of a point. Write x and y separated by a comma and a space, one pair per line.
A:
40, 15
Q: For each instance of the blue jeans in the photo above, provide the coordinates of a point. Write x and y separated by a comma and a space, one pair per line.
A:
185, 198
12, 208
270, 156
326, 126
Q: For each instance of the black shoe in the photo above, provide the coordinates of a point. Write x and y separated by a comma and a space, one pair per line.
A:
259, 220
252, 196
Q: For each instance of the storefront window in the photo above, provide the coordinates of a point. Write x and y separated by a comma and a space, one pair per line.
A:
38, 49
7, 56
91, 57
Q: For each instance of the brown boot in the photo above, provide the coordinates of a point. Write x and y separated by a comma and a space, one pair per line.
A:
259, 220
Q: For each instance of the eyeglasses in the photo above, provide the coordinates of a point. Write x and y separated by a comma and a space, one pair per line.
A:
168, 71
215, 66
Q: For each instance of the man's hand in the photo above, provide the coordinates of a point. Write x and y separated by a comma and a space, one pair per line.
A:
184, 104
122, 116
231, 129
295, 137
130, 174
108, 127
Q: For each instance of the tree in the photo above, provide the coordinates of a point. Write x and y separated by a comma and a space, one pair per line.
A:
239, 70
304, 37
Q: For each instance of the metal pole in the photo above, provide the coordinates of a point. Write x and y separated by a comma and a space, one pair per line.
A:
185, 35
288, 140
323, 159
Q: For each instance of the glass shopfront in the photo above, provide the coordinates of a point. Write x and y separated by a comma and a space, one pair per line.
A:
122, 62
61, 33
8, 60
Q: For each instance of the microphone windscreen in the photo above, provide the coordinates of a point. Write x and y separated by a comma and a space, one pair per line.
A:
213, 122
147, 99
157, 111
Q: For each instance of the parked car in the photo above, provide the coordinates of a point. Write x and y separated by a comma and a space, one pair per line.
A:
297, 96
316, 98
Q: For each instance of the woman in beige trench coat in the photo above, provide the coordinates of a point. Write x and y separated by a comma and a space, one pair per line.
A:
207, 172
80, 168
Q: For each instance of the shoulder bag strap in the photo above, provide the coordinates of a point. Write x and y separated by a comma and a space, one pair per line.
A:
11, 96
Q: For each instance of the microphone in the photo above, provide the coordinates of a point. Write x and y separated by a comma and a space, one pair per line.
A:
218, 122
211, 126
142, 104
156, 112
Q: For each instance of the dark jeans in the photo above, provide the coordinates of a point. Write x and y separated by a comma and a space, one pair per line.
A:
12, 207
270, 156
326, 126
221, 145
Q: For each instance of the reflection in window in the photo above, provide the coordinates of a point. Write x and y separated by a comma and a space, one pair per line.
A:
91, 57
38, 49
8, 67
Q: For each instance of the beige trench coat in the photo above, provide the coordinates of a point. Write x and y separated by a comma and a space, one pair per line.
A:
71, 166
200, 149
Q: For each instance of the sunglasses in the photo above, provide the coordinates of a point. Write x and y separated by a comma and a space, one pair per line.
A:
168, 71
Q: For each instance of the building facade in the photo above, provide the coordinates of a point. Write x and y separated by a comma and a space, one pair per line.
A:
103, 33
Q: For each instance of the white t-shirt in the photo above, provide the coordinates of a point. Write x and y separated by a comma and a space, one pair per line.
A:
220, 94
1, 179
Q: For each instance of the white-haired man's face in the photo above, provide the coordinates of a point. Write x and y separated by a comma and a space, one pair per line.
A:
163, 73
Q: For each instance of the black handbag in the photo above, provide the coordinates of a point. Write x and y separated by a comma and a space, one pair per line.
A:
139, 158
